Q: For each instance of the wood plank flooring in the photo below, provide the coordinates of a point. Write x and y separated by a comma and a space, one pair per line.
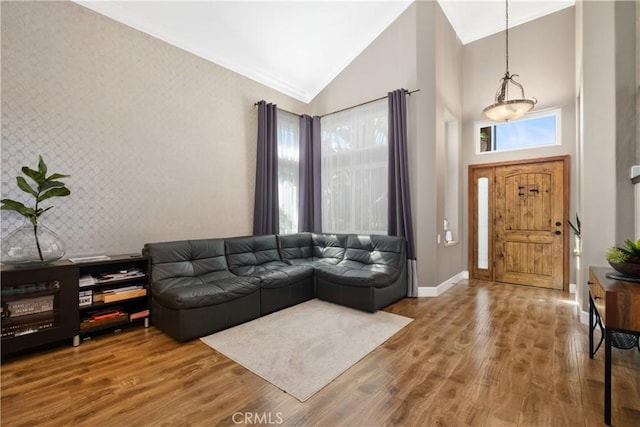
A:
482, 354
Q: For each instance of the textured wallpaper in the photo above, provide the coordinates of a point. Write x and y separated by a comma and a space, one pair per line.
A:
159, 142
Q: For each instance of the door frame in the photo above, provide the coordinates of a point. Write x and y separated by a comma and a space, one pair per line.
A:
472, 235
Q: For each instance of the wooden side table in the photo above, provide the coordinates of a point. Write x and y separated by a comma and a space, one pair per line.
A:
614, 305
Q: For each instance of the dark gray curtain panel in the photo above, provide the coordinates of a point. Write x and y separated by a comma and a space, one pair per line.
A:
400, 222
265, 212
309, 211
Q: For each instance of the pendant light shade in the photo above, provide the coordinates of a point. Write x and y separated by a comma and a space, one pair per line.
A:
504, 108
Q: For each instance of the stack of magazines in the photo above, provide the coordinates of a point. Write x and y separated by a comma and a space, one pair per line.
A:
87, 280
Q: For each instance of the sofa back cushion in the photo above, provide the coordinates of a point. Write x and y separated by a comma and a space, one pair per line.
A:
329, 248
301, 248
186, 258
374, 252
251, 255
295, 246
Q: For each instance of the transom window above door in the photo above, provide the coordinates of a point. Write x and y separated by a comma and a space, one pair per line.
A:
534, 130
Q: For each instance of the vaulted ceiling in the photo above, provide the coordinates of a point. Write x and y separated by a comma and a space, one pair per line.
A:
298, 47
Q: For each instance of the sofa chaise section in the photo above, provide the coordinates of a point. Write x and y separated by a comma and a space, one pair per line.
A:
372, 274
193, 293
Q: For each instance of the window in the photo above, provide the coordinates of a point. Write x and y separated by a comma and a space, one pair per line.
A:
288, 170
354, 159
534, 130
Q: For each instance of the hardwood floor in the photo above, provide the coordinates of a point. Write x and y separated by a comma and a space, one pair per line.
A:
482, 354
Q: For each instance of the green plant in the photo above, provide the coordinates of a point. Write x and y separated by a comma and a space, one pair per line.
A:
45, 188
575, 227
630, 252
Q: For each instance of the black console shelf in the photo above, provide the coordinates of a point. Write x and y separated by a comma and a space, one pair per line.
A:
44, 304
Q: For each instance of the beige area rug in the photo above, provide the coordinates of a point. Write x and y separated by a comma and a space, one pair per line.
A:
303, 348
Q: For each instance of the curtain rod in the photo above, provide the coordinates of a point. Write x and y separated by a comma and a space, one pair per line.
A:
281, 109
368, 102
348, 108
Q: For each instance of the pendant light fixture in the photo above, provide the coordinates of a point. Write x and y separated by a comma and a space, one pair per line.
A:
505, 109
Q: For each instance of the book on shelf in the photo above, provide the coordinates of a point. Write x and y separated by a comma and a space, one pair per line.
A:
131, 273
89, 258
139, 314
29, 306
103, 317
118, 294
92, 323
85, 298
87, 280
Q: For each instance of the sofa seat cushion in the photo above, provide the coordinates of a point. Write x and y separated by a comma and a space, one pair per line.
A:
350, 273
293, 274
278, 274
312, 262
191, 292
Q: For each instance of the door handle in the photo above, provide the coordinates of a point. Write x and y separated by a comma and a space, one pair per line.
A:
558, 232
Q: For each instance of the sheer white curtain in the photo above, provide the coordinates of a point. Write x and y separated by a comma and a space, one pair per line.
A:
288, 170
354, 167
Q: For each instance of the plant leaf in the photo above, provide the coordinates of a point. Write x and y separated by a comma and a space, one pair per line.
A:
625, 251
57, 176
24, 186
12, 205
8, 204
631, 247
616, 255
51, 184
41, 211
573, 227
34, 175
54, 192
42, 166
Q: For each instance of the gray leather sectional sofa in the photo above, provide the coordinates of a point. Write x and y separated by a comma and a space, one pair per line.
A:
202, 286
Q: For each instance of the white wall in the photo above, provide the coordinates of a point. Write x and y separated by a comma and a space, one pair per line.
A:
626, 116
449, 100
604, 141
388, 63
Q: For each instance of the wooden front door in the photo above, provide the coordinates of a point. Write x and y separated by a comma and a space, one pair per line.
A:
526, 223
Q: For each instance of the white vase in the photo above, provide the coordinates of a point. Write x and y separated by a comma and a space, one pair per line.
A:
577, 246
22, 247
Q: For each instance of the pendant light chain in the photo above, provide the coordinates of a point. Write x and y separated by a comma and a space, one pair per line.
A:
505, 108
507, 33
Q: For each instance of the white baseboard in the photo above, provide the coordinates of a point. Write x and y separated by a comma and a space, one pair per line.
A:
584, 317
573, 288
434, 291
